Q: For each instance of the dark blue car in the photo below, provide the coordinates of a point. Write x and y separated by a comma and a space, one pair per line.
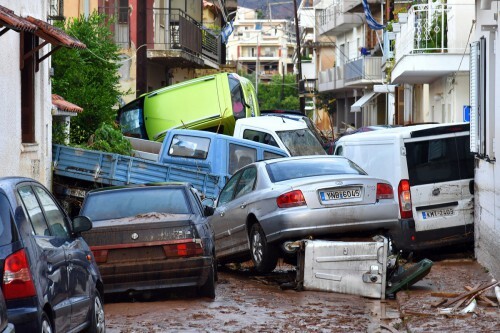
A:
50, 280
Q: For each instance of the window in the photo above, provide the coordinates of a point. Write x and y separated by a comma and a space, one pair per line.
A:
123, 12
131, 119
246, 182
237, 99
269, 155
227, 192
189, 146
28, 89
34, 211
301, 142
240, 156
55, 218
7, 235
259, 136
440, 160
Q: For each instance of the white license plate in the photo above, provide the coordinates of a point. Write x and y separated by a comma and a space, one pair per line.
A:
437, 213
347, 193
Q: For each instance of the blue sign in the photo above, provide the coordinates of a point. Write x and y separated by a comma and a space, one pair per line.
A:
467, 113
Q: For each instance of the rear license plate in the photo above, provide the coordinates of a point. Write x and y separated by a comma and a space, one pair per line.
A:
437, 213
346, 193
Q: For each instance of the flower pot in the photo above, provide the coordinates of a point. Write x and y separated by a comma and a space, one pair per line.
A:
403, 17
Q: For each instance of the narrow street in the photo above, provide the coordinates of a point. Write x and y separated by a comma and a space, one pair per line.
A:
250, 303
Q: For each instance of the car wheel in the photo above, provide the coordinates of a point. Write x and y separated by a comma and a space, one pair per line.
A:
97, 320
46, 324
264, 256
208, 288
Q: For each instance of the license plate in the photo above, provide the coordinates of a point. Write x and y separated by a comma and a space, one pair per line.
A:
437, 213
347, 193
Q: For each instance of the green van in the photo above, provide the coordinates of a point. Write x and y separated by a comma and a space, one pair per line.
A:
211, 103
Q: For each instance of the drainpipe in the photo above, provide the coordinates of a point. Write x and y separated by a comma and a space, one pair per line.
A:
86, 8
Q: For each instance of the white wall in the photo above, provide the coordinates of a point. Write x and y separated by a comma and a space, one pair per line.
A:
33, 160
487, 174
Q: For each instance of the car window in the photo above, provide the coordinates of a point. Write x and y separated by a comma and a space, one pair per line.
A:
117, 204
55, 218
259, 136
246, 182
34, 211
227, 192
189, 146
240, 156
301, 142
6, 221
270, 155
290, 169
439, 160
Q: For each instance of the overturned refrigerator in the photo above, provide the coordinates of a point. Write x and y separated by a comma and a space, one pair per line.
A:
360, 268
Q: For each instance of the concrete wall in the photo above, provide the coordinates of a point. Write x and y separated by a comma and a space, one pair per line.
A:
487, 174
31, 160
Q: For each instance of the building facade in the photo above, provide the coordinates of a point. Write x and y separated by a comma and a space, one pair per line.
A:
27, 42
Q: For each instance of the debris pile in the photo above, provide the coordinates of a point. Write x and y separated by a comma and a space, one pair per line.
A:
460, 304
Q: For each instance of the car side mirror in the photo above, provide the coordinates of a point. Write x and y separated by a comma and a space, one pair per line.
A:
208, 210
81, 224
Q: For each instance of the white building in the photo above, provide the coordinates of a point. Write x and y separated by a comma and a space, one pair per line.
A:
26, 110
485, 125
263, 44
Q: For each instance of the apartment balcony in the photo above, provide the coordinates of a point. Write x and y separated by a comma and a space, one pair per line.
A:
331, 79
335, 20
363, 71
308, 87
173, 37
433, 43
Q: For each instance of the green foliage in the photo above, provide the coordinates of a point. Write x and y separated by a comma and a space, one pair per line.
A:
89, 77
109, 138
269, 94
58, 132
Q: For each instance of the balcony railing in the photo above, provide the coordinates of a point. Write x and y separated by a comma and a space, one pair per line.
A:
331, 79
365, 68
167, 29
426, 31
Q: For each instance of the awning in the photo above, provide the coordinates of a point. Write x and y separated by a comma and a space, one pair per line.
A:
64, 106
367, 97
9, 20
54, 35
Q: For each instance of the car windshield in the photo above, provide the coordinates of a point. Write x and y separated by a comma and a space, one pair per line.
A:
291, 169
301, 142
116, 204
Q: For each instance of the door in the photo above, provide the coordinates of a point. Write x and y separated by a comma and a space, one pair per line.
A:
440, 169
48, 259
79, 278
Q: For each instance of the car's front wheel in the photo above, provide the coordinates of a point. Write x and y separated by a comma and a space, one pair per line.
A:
46, 324
97, 320
264, 255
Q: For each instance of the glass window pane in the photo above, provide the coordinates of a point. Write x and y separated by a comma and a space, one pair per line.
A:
189, 146
239, 156
301, 142
55, 218
228, 190
6, 221
246, 182
269, 155
34, 211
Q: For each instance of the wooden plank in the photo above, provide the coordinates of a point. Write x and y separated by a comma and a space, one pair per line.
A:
469, 293
482, 297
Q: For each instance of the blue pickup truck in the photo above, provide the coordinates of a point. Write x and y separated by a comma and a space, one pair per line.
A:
205, 159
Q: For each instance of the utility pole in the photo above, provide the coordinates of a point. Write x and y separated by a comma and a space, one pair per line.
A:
302, 100
141, 85
257, 65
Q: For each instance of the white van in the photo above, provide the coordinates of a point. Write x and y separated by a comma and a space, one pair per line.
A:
289, 133
432, 170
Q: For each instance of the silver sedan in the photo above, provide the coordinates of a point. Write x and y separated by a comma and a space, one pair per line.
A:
268, 204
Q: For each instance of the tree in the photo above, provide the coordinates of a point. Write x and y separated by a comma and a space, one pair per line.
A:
270, 94
89, 77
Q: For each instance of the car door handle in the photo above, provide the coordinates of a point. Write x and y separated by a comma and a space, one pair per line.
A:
243, 205
221, 213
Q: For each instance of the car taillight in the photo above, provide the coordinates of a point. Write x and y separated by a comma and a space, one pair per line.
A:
404, 199
291, 199
17, 280
384, 191
188, 249
100, 256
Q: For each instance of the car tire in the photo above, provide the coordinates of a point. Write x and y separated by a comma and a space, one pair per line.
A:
208, 288
46, 324
264, 255
97, 319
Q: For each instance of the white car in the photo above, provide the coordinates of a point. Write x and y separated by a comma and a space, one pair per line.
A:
269, 203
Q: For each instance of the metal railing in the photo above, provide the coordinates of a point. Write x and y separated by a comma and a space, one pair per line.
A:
167, 29
364, 68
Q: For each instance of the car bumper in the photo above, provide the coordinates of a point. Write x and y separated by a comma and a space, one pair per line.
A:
301, 222
406, 238
155, 274
25, 318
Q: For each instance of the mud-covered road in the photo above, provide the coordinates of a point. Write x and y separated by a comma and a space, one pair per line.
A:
249, 303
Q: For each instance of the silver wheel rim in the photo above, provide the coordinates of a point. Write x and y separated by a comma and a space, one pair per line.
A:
257, 247
99, 316
46, 326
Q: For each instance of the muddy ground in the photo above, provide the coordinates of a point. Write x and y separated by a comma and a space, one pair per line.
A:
249, 303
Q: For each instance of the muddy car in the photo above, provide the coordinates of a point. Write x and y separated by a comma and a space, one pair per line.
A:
149, 237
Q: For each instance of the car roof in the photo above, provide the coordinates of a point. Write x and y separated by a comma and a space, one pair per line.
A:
404, 132
277, 122
308, 157
146, 185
